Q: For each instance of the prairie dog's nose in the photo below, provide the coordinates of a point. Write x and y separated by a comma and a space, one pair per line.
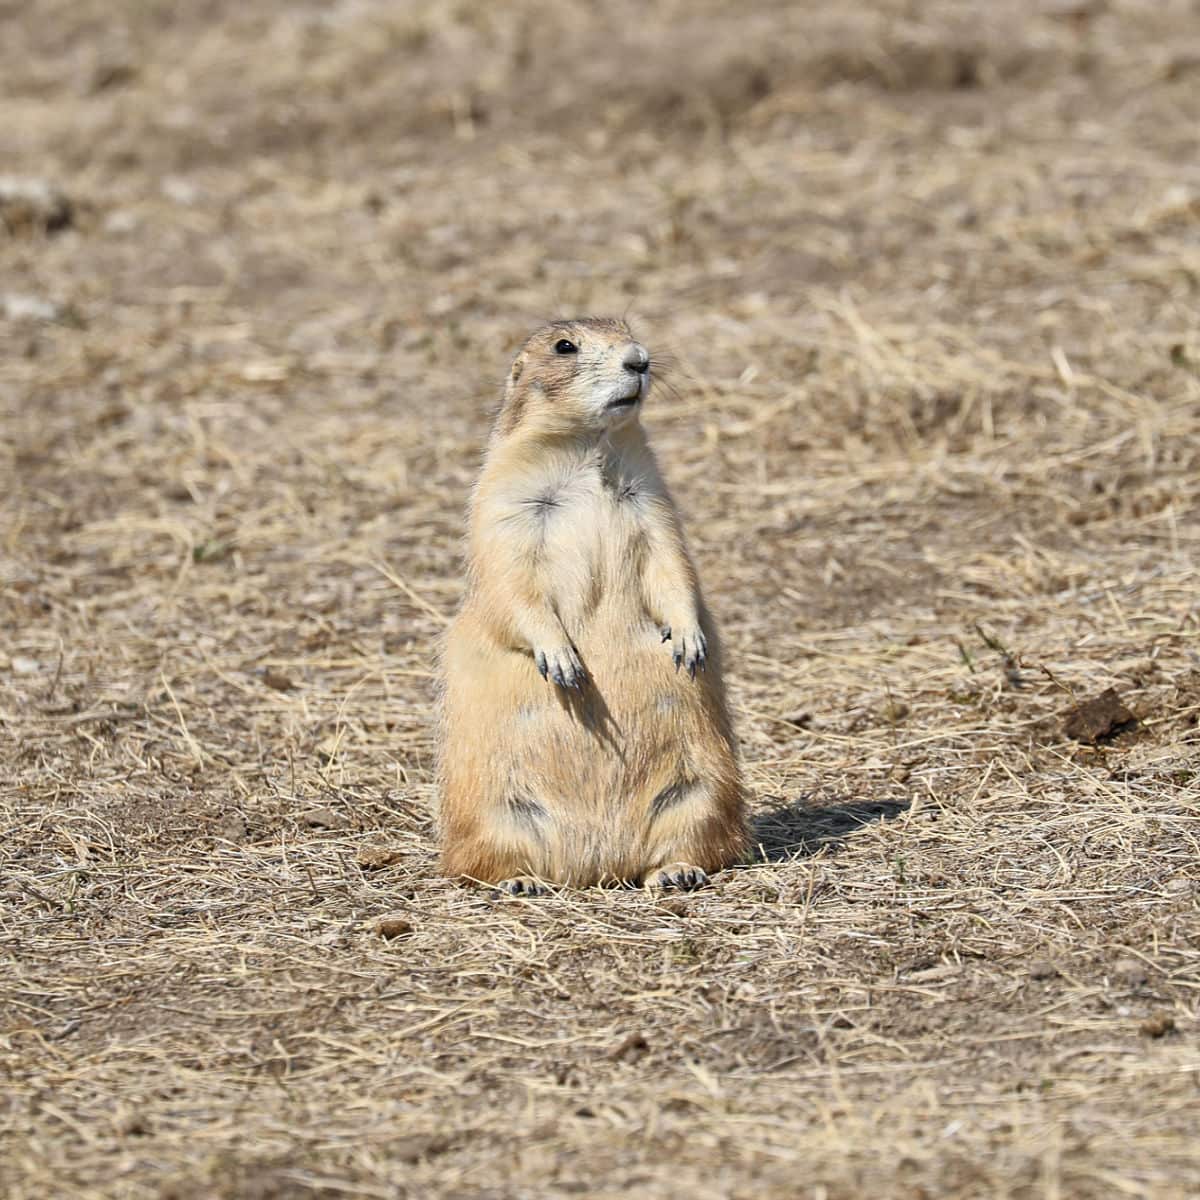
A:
636, 359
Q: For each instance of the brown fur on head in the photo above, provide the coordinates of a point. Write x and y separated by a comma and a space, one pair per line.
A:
586, 375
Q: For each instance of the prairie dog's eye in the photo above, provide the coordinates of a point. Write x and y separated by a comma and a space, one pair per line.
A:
562, 346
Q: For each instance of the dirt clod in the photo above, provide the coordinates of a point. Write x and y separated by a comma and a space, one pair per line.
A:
1158, 1026
277, 680
393, 926
630, 1048
1098, 719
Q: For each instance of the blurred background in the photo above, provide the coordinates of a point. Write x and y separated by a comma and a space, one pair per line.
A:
321, 229
362, 178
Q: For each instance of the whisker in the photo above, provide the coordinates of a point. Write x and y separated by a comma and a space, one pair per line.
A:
671, 374
667, 386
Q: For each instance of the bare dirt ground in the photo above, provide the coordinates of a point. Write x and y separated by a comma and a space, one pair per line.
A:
930, 274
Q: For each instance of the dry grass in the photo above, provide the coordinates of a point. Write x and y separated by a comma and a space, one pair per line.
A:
931, 275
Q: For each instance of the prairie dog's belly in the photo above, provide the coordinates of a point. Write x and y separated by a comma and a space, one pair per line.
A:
630, 720
594, 557
622, 646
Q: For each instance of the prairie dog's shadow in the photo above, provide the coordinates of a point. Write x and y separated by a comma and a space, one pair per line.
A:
588, 707
801, 827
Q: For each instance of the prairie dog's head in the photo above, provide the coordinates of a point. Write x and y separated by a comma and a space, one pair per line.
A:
582, 376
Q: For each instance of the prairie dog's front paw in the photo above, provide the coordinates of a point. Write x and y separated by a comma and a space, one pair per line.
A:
562, 665
689, 647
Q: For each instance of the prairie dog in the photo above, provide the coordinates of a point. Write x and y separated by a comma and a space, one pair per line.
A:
585, 734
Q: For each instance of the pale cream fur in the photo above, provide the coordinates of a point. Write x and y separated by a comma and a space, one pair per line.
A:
620, 763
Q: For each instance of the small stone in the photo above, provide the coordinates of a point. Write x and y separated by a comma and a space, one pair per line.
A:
179, 190
393, 925
265, 371
17, 307
1131, 973
33, 205
120, 223
25, 666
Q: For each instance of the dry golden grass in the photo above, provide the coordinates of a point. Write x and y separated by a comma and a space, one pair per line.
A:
930, 274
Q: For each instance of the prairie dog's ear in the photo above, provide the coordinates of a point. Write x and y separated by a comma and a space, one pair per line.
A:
514, 377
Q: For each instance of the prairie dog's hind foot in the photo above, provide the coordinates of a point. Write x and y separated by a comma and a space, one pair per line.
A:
520, 885
680, 875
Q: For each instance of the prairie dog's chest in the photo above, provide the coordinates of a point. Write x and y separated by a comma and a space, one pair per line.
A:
592, 512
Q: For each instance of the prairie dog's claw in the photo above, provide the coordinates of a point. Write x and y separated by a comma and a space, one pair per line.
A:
676, 875
562, 666
689, 649
520, 885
